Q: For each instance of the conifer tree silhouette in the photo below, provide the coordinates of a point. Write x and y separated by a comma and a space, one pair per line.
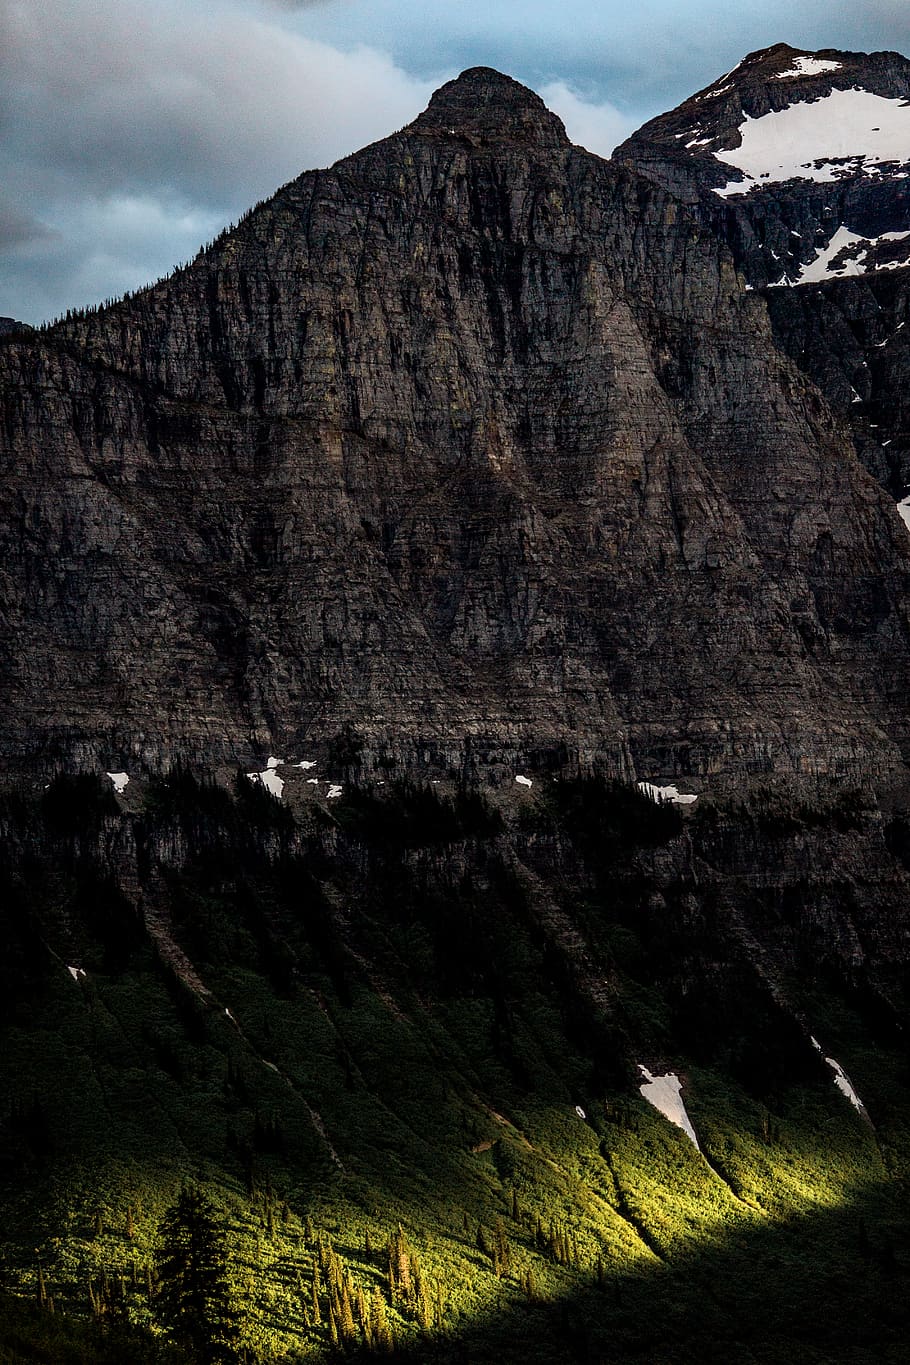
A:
194, 1299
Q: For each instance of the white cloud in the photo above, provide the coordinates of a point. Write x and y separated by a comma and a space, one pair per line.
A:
127, 129
208, 103
598, 127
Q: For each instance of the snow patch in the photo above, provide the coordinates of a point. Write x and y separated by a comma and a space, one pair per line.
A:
891, 337
903, 508
660, 794
334, 790
711, 92
75, 972
826, 267
843, 133
664, 1093
269, 779
841, 1079
524, 781
808, 66
823, 268
272, 762
580, 1112
306, 765
119, 780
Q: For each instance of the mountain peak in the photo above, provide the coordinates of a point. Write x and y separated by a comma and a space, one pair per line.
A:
786, 113
767, 134
485, 103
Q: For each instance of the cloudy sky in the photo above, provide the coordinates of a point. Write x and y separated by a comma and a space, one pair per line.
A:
133, 130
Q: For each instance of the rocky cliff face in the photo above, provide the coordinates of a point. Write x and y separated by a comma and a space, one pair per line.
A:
799, 162
471, 450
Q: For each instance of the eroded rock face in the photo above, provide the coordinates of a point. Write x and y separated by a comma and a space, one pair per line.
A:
472, 447
785, 150
825, 232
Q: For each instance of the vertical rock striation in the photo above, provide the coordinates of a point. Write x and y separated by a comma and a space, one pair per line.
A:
470, 447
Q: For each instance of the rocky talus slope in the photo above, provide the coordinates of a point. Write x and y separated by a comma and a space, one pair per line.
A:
470, 450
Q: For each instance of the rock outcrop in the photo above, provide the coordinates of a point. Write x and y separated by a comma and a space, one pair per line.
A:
822, 224
472, 447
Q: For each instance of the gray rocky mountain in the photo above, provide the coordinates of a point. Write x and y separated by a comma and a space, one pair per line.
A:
800, 161
473, 450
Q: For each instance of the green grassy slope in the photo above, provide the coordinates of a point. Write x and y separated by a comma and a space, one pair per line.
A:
369, 1023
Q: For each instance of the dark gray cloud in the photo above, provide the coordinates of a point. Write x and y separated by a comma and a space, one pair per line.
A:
131, 132
20, 231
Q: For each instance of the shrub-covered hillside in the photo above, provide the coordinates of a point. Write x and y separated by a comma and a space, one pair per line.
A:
392, 1042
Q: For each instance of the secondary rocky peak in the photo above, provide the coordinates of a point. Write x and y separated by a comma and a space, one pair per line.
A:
799, 161
483, 103
782, 115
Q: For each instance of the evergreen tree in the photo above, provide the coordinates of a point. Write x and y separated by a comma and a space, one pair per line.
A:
383, 1338
193, 1300
502, 1256
346, 1327
317, 1286
399, 1266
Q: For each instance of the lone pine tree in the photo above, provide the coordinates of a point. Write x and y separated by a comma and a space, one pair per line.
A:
194, 1299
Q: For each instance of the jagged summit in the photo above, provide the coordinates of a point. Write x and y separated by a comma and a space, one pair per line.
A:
817, 140
772, 77
857, 117
800, 162
483, 103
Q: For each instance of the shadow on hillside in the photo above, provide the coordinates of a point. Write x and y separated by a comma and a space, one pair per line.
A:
31, 1335
829, 1287
832, 1286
